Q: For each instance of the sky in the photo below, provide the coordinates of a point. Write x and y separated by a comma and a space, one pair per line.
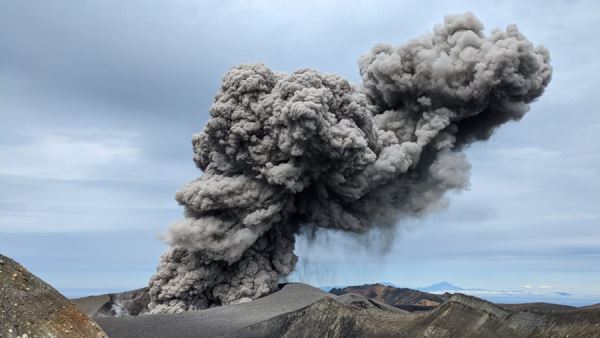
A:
99, 99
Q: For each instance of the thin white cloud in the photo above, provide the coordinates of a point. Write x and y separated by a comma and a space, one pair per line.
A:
66, 155
570, 216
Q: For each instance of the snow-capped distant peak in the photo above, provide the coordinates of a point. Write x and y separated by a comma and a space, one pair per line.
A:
442, 286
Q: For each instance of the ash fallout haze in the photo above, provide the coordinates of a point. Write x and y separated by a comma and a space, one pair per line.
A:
334, 143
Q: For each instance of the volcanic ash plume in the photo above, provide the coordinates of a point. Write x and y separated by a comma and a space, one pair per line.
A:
285, 151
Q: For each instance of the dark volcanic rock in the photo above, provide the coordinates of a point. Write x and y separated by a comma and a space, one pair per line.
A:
537, 307
402, 298
467, 316
30, 307
591, 307
365, 303
460, 316
330, 318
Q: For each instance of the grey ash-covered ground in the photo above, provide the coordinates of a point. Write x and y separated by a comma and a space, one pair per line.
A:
299, 310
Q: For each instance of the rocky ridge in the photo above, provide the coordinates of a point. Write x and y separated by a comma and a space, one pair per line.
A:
29, 307
402, 298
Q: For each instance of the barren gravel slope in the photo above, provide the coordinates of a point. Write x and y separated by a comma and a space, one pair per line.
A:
30, 306
217, 321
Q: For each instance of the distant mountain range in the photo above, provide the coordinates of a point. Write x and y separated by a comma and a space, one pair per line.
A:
525, 295
401, 298
440, 287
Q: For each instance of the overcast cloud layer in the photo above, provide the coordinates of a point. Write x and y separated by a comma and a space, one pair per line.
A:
98, 103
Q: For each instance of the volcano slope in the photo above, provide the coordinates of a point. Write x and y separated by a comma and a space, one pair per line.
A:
299, 310
460, 316
31, 308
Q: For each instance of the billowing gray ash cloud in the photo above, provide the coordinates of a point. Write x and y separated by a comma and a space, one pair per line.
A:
285, 151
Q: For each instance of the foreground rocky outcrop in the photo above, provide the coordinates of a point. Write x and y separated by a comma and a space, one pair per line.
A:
402, 298
31, 308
